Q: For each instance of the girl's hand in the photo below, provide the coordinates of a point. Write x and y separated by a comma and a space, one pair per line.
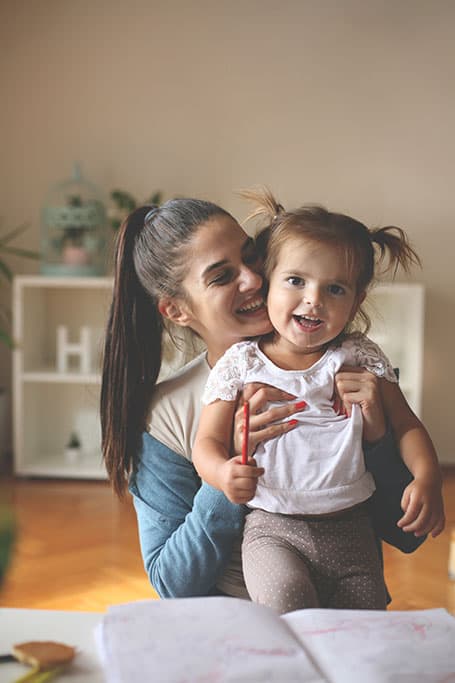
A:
357, 386
237, 481
423, 508
261, 427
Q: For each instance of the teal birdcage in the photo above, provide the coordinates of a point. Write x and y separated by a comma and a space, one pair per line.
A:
74, 229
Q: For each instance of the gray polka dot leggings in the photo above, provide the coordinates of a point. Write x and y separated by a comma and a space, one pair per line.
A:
293, 562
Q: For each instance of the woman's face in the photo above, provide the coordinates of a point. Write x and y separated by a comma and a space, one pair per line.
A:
223, 286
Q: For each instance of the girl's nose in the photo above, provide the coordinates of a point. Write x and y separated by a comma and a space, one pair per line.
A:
313, 296
249, 279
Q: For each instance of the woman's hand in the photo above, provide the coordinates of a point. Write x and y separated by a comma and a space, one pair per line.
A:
423, 508
357, 386
238, 482
263, 424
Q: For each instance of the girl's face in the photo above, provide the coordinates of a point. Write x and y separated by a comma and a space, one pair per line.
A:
224, 301
312, 296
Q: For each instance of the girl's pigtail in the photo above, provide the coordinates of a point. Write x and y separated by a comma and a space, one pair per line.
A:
393, 243
131, 361
267, 206
268, 210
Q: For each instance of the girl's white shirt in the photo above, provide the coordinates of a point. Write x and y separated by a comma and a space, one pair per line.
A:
318, 467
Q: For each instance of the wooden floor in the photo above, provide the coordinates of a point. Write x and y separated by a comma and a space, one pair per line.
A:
77, 549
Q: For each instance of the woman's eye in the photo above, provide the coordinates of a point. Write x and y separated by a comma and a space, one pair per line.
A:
221, 278
336, 289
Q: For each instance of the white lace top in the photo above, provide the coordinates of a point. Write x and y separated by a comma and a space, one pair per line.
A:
318, 467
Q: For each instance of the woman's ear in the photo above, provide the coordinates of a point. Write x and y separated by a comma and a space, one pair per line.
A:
175, 311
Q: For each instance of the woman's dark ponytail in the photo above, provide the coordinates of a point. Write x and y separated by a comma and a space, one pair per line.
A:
132, 359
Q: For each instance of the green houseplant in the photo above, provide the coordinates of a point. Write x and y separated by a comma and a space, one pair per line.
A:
7, 249
124, 202
6, 274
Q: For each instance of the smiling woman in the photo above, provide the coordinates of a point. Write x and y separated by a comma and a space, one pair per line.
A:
188, 262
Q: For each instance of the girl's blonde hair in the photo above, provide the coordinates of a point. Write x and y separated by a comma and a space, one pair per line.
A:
365, 250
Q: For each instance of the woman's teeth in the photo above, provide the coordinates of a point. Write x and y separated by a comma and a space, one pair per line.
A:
251, 306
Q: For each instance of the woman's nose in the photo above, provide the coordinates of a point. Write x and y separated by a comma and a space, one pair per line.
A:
249, 279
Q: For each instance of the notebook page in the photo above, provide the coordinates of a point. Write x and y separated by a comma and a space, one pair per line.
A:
354, 646
200, 640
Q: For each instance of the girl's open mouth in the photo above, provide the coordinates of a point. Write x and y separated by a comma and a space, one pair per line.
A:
307, 322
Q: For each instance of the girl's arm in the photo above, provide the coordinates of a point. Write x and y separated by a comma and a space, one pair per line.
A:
422, 498
356, 385
186, 531
211, 454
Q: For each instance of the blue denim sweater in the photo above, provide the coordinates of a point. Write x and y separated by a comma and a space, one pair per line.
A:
187, 531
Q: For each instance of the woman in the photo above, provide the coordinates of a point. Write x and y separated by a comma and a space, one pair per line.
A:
189, 262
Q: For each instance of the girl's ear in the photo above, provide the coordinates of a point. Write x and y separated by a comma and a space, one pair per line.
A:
175, 311
357, 303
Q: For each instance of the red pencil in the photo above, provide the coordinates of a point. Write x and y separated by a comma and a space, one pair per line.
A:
246, 432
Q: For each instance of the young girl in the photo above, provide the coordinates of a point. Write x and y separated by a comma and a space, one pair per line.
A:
309, 541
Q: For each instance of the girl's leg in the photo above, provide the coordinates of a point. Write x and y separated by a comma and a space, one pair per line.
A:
276, 573
350, 573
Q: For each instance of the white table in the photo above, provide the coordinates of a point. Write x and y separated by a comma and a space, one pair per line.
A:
71, 628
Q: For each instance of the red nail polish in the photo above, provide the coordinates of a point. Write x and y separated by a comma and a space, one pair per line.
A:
293, 422
300, 405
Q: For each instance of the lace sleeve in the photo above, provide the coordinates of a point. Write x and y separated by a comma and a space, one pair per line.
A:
365, 353
226, 377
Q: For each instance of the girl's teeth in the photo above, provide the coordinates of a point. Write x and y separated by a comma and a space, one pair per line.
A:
308, 319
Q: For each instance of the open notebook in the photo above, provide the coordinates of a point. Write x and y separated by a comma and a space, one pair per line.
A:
210, 640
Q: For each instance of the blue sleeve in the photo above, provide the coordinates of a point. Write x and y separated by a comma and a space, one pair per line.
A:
186, 530
391, 477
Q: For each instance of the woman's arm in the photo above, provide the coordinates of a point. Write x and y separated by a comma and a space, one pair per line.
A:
186, 531
391, 477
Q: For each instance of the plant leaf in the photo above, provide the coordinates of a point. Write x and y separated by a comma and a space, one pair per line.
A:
156, 198
123, 200
18, 251
6, 339
5, 271
14, 233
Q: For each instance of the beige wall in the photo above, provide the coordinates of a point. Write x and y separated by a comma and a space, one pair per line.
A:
349, 103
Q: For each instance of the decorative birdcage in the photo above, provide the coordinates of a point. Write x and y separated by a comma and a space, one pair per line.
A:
74, 229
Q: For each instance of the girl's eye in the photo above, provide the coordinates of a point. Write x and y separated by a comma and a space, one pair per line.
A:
295, 281
336, 289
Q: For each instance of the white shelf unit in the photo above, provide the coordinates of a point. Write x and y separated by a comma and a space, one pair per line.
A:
49, 405
397, 311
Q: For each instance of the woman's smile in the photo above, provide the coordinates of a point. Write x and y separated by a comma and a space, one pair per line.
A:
252, 307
